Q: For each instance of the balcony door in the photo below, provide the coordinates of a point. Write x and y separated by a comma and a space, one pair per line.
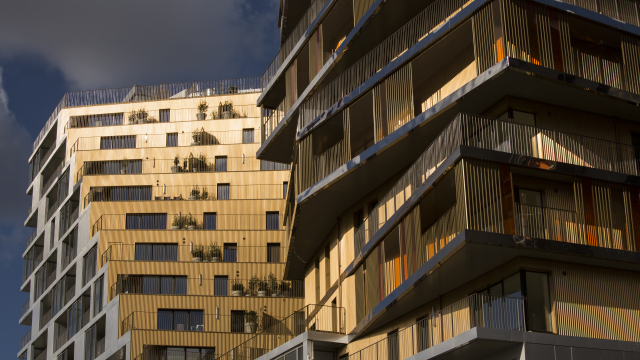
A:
530, 213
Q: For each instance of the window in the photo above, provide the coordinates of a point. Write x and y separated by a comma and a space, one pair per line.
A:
273, 220
156, 252
530, 216
112, 167
209, 221
90, 343
74, 318
181, 320
120, 193
273, 253
223, 191
165, 285
221, 285
221, 163
237, 321
538, 302
146, 221
98, 288
118, 142
270, 165
230, 252
172, 139
89, 266
247, 136
165, 116
285, 187
175, 353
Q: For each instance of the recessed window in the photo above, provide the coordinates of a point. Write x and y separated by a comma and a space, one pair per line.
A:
156, 252
223, 191
273, 220
172, 139
146, 221
165, 115
247, 136
221, 163
181, 320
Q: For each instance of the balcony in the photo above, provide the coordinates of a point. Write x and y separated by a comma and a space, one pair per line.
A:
326, 319
31, 237
25, 307
185, 253
153, 353
25, 339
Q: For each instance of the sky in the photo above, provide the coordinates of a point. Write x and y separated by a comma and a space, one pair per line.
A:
50, 47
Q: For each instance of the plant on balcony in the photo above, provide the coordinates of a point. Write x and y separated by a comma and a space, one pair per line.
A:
263, 287
205, 193
214, 114
142, 116
285, 287
178, 222
237, 287
197, 136
254, 283
197, 253
176, 164
216, 252
124, 164
191, 222
272, 284
250, 322
195, 193
203, 106
202, 162
226, 110
152, 119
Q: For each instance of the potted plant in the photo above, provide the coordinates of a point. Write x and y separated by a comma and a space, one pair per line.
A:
263, 287
202, 110
132, 117
177, 223
142, 116
205, 193
250, 322
197, 253
214, 115
123, 166
202, 162
197, 136
191, 222
272, 284
184, 164
226, 110
284, 288
195, 193
237, 288
176, 164
254, 283
216, 253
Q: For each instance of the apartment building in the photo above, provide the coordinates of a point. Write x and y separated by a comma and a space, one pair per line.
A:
157, 234
464, 179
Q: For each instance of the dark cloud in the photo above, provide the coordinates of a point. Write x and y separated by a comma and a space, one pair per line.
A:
99, 44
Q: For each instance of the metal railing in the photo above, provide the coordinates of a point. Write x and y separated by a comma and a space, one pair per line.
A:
86, 316
70, 293
47, 155
241, 254
150, 353
478, 310
547, 223
493, 134
310, 318
255, 287
31, 237
100, 346
294, 36
221, 222
61, 339
51, 277
25, 307
25, 339
141, 320
45, 318
623, 10
388, 50
272, 119
52, 178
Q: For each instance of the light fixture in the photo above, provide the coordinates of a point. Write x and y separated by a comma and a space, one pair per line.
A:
217, 313
154, 162
164, 189
243, 158
200, 279
145, 137
191, 247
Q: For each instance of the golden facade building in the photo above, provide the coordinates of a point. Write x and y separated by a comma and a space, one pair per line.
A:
157, 233
465, 179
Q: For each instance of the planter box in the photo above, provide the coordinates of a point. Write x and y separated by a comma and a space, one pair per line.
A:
175, 169
236, 293
196, 259
262, 293
250, 328
201, 116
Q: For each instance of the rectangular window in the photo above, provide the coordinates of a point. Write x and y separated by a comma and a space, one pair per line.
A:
209, 221
74, 318
172, 139
120, 193
98, 288
285, 187
118, 142
538, 302
247, 136
146, 221
156, 252
270, 165
273, 253
90, 343
165, 115
273, 220
221, 285
221, 163
89, 266
237, 321
223, 191
181, 320
230, 252
113, 167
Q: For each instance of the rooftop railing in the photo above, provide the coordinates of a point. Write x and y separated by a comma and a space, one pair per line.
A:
319, 318
492, 134
150, 93
183, 253
478, 310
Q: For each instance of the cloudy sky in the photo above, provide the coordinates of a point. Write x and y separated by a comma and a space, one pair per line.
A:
50, 47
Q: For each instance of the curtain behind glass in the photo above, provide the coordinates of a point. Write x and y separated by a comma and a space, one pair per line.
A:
221, 285
230, 253
221, 163
196, 321
223, 191
165, 320
273, 222
209, 220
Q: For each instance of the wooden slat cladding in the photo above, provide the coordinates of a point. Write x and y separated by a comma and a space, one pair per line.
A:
544, 35
631, 62
374, 277
483, 47
611, 222
334, 157
399, 91
360, 7
484, 204
514, 22
379, 113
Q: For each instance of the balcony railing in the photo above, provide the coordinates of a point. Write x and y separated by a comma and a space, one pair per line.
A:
387, 51
623, 10
187, 192
32, 236
25, 307
100, 346
475, 311
212, 287
272, 119
202, 222
69, 293
498, 135
151, 353
52, 178
294, 36
183, 253
547, 223
45, 318
61, 340
42, 355
140, 320
47, 155
25, 339
320, 318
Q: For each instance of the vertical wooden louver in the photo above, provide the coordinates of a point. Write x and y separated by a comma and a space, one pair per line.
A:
399, 91
631, 62
360, 7
483, 39
516, 38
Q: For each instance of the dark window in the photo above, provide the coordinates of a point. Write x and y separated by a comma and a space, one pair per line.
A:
223, 191
156, 252
118, 142
273, 220
273, 253
120, 193
176, 353
89, 266
285, 187
230, 252
90, 343
247, 136
98, 288
221, 163
221, 285
181, 320
74, 318
209, 221
112, 167
237, 321
172, 139
358, 218
165, 115
167, 285
270, 165
146, 221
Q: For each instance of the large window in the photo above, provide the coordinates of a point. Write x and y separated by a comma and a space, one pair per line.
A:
223, 191
148, 284
113, 167
270, 165
273, 253
221, 163
156, 252
175, 353
120, 193
118, 142
237, 321
146, 222
247, 136
273, 220
209, 221
89, 265
172, 139
74, 318
221, 285
182, 320
230, 252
